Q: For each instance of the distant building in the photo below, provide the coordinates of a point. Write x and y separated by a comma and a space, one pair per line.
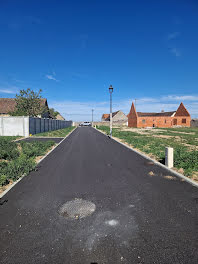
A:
116, 116
194, 122
180, 117
104, 117
8, 105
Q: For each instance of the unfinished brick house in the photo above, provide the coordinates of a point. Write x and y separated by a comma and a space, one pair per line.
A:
180, 117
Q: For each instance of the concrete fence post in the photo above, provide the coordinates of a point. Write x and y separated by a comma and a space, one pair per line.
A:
23, 126
2, 128
169, 157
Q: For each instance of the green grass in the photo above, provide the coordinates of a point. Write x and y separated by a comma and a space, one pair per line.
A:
17, 159
184, 156
9, 138
56, 133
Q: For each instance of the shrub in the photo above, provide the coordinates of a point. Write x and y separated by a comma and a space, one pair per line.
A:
8, 150
19, 163
20, 166
3, 179
33, 149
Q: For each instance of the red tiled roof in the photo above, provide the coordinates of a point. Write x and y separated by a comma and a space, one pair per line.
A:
105, 116
8, 105
140, 114
113, 114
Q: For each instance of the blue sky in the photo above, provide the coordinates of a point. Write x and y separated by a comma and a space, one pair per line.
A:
73, 51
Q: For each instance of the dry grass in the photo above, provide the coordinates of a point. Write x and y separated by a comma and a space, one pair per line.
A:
151, 173
168, 177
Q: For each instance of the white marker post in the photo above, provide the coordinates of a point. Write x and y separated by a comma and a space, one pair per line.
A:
169, 157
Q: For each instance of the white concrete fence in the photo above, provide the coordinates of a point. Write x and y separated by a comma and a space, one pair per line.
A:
25, 125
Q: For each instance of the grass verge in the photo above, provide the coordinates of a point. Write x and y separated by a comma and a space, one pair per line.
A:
17, 159
184, 144
56, 133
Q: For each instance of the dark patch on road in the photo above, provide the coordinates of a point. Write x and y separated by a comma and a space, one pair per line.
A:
149, 163
3, 201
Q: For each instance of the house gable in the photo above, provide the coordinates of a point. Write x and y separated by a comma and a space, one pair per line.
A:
182, 111
133, 111
132, 117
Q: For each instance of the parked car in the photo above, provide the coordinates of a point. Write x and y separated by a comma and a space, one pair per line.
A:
85, 124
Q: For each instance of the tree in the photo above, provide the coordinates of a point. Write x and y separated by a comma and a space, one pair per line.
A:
28, 103
53, 113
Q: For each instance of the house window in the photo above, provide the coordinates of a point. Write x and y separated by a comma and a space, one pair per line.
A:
143, 121
165, 121
184, 121
174, 122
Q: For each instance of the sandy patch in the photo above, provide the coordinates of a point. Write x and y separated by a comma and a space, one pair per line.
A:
151, 173
195, 176
3, 188
168, 177
179, 132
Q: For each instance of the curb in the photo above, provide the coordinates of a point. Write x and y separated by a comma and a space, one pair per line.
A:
46, 137
14, 183
155, 162
20, 139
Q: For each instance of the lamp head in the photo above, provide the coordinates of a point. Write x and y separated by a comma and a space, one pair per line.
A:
110, 89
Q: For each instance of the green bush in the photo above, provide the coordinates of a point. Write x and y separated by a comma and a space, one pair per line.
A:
33, 149
18, 162
16, 168
20, 166
3, 179
8, 150
186, 160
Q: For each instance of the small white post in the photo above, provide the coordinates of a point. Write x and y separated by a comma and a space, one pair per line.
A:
169, 157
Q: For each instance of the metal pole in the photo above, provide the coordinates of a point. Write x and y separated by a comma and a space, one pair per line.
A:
92, 115
110, 114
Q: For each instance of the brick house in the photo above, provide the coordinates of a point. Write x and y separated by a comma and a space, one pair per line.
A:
8, 105
180, 117
118, 116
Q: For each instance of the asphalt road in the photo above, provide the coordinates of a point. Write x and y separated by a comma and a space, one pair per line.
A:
140, 217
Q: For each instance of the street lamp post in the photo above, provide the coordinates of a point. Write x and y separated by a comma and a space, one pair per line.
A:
92, 115
110, 91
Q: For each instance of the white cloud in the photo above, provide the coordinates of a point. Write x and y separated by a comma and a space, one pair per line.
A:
173, 35
175, 52
81, 111
180, 98
51, 77
7, 91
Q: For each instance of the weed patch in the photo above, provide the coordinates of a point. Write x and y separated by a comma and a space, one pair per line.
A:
184, 156
56, 133
17, 159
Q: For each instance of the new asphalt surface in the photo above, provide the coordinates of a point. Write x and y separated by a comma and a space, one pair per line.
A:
143, 213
